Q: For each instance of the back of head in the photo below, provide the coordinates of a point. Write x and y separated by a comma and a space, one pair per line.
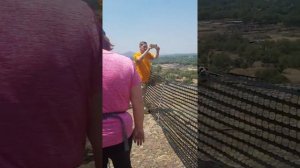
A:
47, 51
106, 44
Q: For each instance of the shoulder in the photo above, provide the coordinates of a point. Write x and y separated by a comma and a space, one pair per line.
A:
79, 12
117, 63
137, 54
110, 55
79, 9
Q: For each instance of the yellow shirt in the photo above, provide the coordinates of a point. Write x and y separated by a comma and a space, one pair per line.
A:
144, 66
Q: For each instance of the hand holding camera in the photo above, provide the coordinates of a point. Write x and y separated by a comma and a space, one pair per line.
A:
154, 46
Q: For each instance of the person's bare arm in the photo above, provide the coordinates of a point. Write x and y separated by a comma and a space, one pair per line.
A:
138, 60
157, 52
138, 114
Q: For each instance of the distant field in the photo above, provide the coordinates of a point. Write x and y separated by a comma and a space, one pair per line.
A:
178, 72
275, 45
179, 66
271, 32
182, 59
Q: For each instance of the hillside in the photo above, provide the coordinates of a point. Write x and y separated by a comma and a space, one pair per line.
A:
259, 11
239, 37
177, 68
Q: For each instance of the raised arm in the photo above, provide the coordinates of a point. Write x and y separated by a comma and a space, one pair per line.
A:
138, 60
157, 52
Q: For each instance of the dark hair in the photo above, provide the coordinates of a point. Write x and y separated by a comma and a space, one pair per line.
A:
143, 43
106, 45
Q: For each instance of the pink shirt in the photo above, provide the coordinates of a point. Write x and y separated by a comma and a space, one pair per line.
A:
119, 76
49, 70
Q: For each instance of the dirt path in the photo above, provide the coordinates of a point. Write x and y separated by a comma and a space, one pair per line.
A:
156, 152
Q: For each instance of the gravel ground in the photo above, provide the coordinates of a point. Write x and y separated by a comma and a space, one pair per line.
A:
156, 152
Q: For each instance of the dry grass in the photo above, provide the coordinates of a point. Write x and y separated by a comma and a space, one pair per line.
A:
273, 32
293, 75
156, 152
247, 71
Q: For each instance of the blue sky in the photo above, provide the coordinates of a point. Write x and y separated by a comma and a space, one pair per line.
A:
172, 24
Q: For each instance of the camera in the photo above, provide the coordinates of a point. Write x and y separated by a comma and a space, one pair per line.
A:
153, 45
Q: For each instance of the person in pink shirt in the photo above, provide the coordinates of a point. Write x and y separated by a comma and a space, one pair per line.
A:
120, 85
50, 68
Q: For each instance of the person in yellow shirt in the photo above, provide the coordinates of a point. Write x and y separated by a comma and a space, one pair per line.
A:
143, 58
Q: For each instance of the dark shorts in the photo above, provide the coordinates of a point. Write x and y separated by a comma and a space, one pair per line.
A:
118, 155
